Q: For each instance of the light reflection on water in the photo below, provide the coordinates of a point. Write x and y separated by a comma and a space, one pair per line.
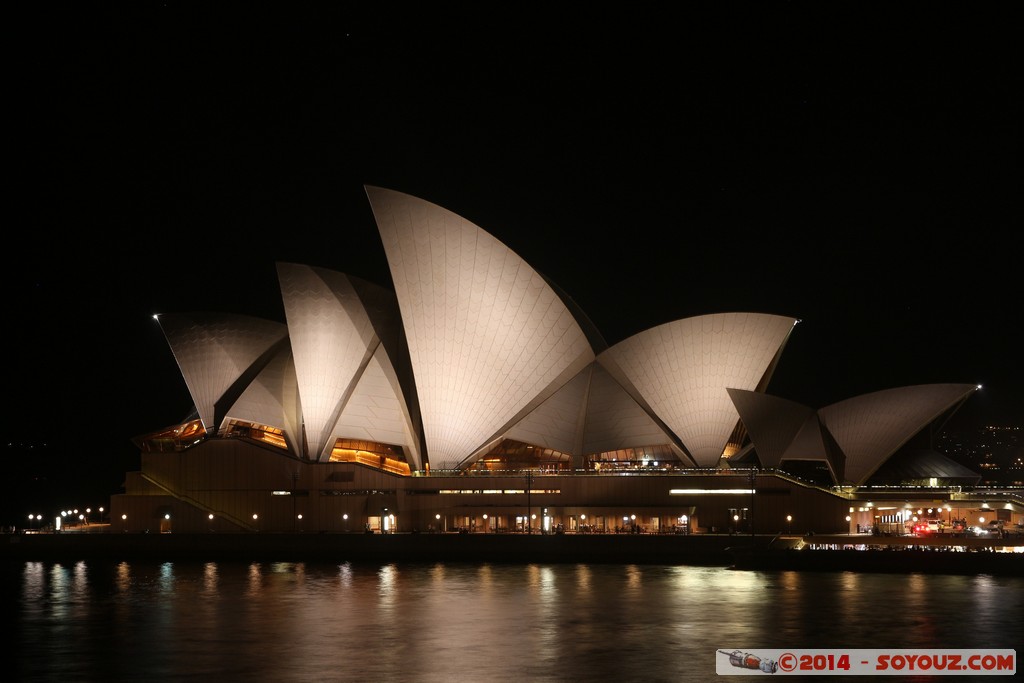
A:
472, 622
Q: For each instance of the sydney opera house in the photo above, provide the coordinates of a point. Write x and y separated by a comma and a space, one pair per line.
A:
477, 397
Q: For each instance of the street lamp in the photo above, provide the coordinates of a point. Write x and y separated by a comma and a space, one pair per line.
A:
529, 489
124, 523
345, 517
789, 523
753, 490
255, 521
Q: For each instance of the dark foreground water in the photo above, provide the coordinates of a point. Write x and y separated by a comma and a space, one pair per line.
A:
93, 621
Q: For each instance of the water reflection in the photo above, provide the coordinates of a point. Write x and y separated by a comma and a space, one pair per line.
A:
450, 622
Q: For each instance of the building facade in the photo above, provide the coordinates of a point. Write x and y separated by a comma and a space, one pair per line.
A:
477, 397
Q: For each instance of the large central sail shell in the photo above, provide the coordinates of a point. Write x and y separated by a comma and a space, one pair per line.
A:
487, 335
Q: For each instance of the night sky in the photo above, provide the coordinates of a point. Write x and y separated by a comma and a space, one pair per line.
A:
850, 166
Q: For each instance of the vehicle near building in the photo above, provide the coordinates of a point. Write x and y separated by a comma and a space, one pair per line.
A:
929, 526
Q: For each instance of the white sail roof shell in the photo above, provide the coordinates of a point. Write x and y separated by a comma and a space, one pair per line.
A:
558, 422
867, 429
680, 371
214, 350
487, 335
871, 427
332, 339
774, 424
377, 411
786, 430
346, 380
273, 399
616, 421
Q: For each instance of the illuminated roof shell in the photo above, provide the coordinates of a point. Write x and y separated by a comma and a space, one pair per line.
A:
346, 379
681, 370
219, 354
488, 337
872, 427
855, 436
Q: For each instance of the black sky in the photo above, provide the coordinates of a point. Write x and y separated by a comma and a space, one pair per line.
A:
851, 165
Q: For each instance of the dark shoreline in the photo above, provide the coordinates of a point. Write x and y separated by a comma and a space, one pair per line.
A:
882, 560
710, 550
731, 552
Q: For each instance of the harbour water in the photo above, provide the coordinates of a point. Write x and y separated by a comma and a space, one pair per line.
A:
93, 620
